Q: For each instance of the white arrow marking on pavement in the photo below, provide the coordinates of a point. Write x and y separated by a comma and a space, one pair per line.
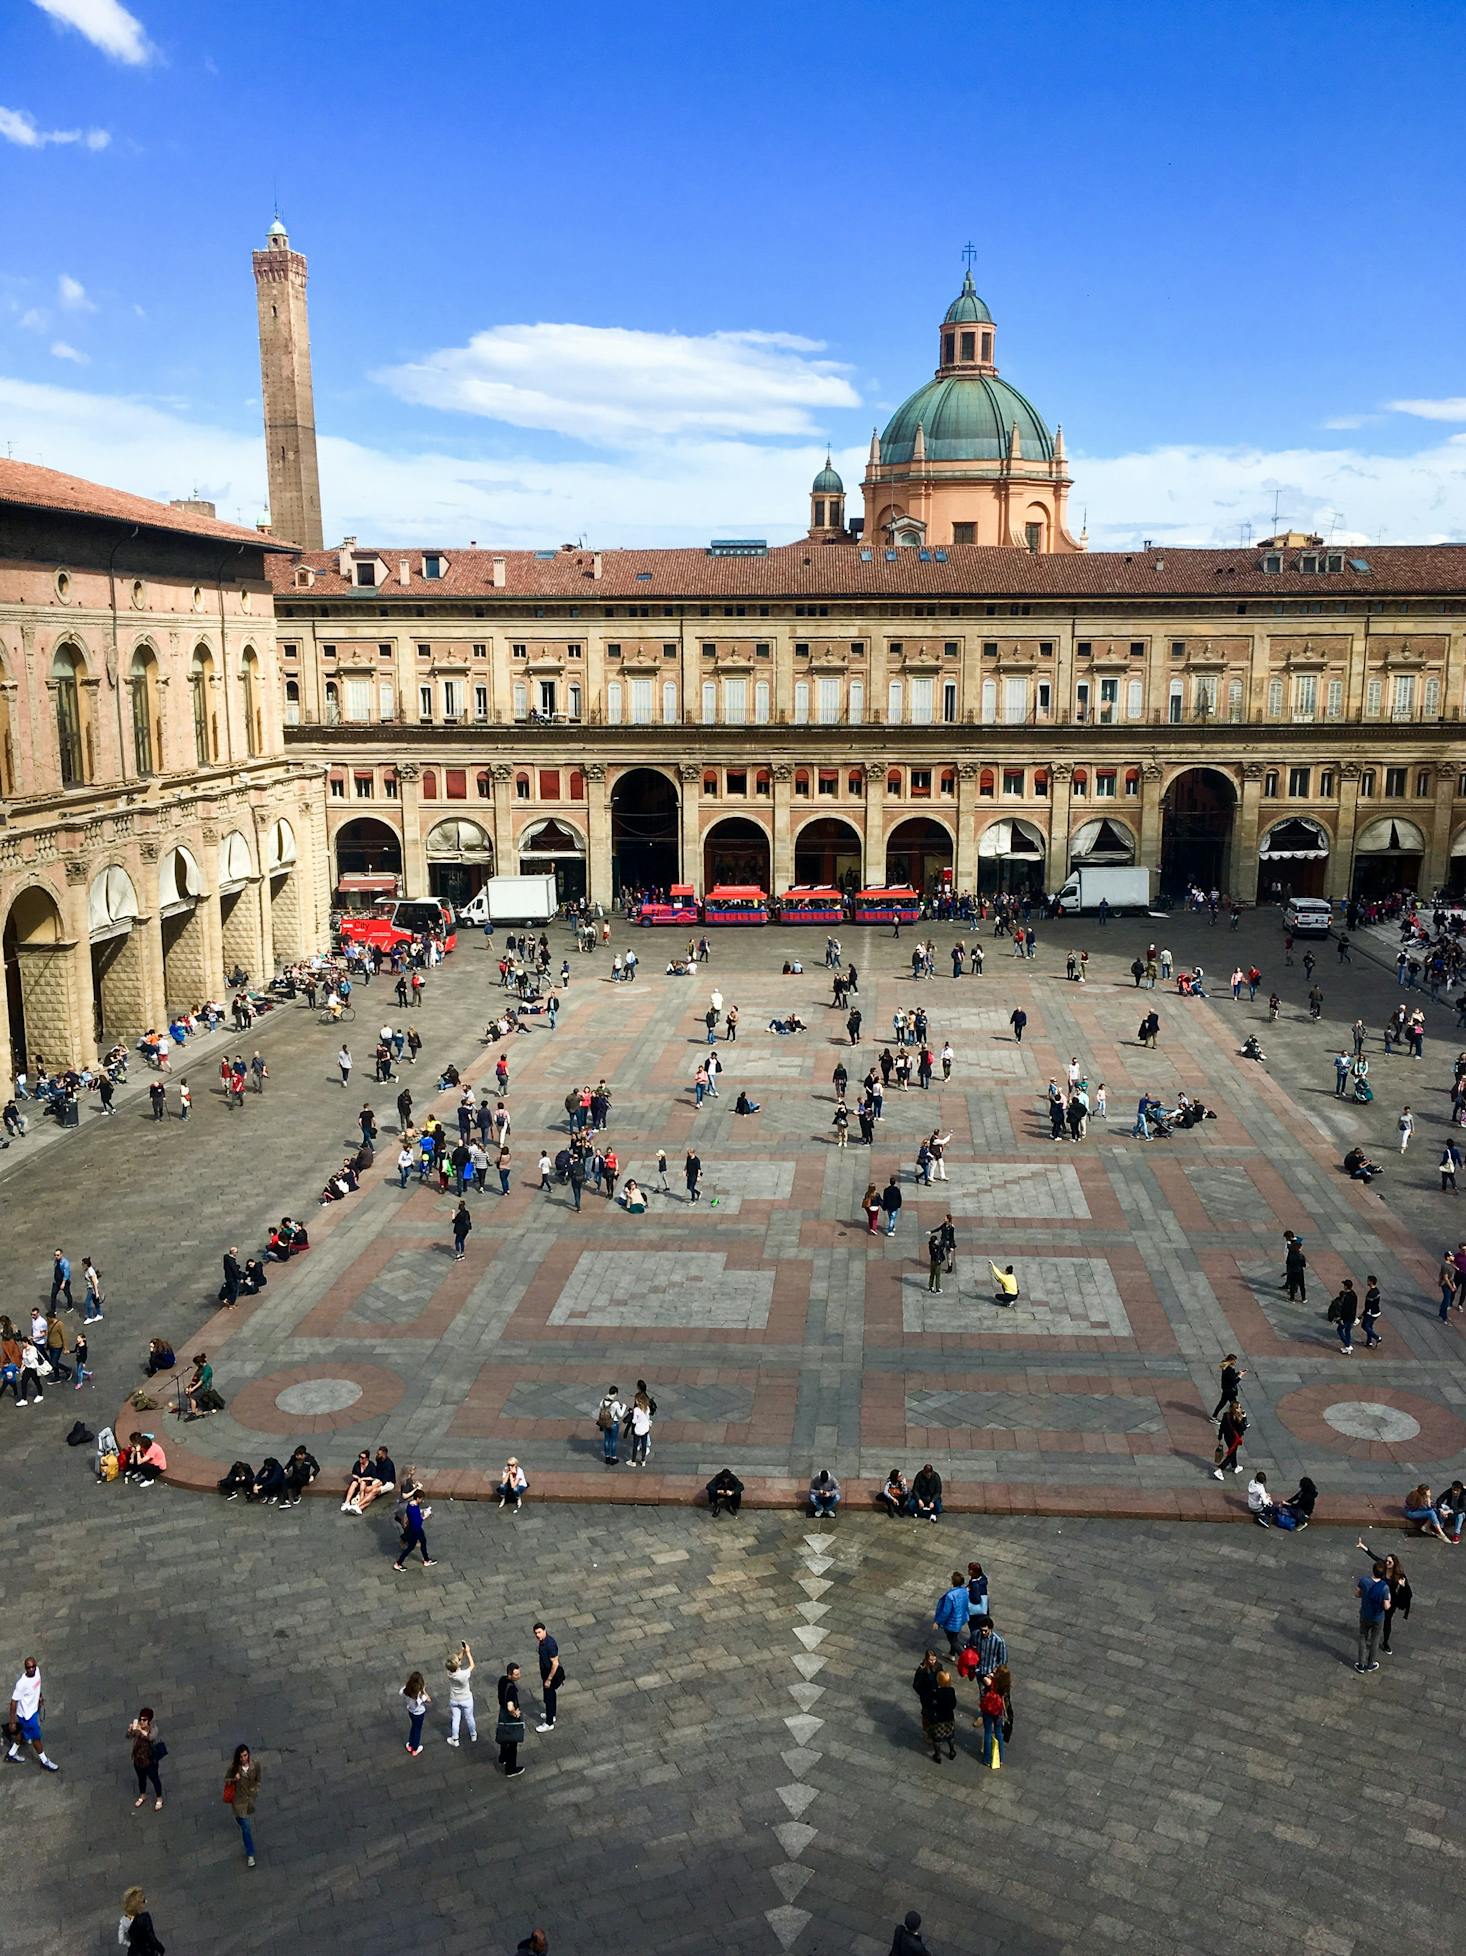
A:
803, 1726
789, 1878
806, 1696
817, 1564
812, 1612
814, 1586
818, 1542
799, 1759
809, 1667
809, 1637
794, 1836
787, 1924
797, 1798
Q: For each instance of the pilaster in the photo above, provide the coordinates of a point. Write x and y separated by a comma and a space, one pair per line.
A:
783, 854
1060, 815
1341, 856
598, 835
689, 812
875, 824
1437, 867
1242, 865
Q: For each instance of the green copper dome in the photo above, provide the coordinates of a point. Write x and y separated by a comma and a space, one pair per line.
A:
827, 482
966, 419
967, 308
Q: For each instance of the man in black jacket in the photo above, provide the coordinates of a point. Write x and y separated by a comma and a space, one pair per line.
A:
908, 1939
926, 1494
724, 1490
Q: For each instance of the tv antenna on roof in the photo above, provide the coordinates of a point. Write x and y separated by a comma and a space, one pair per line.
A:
1277, 499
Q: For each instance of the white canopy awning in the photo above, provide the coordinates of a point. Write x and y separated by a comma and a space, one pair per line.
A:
1390, 835
111, 903
1010, 838
459, 840
236, 864
1102, 841
180, 882
282, 846
1298, 839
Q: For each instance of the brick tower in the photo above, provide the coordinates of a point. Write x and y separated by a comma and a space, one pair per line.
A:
285, 377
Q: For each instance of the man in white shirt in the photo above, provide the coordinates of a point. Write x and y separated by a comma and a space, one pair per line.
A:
1259, 1501
27, 1701
609, 1415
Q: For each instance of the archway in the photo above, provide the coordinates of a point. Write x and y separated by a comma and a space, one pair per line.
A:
239, 911
1388, 855
1292, 859
368, 861
1456, 868
287, 931
38, 988
645, 846
917, 852
555, 849
119, 979
185, 937
460, 857
735, 850
1104, 843
1197, 814
1011, 855
828, 851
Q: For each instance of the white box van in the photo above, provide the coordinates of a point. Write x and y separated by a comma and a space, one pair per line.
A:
1308, 916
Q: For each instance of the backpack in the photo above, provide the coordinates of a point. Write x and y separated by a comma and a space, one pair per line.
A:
1332, 1313
81, 1435
967, 1662
109, 1466
605, 1418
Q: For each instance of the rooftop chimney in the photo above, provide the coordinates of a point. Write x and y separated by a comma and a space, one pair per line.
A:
193, 505
500, 573
596, 564
404, 573
343, 557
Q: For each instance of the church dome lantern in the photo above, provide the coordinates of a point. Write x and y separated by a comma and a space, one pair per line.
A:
827, 505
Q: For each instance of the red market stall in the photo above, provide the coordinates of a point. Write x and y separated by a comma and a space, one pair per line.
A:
735, 903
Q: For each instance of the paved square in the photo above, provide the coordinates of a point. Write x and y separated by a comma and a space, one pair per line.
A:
1059, 1297
679, 1288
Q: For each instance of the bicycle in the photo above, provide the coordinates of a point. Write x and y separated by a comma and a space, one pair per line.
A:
343, 1016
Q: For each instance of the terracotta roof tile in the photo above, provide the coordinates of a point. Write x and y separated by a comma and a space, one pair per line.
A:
28, 486
805, 571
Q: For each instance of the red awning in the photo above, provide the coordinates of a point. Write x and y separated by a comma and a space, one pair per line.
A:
388, 883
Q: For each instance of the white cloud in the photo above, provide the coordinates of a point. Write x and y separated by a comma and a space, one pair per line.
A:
106, 24
613, 385
18, 127
35, 320
72, 294
689, 488
1338, 422
63, 350
1452, 408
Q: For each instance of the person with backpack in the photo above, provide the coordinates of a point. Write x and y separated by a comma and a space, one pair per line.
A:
1343, 1312
609, 1415
992, 1711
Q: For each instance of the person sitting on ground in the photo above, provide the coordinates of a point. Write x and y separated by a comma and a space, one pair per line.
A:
679, 968
1359, 1167
1297, 1510
199, 1391
160, 1357
253, 1281
145, 1459
300, 1470
381, 1479
512, 1486
895, 1496
633, 1198
336, 1190
239, 1478
1259, 1501
743, 1105
926, 1494
1250, 1048
724, 1490
1451, 1507
824, 1493
277, 1250
1420, 1508
1006, 1291
357, 1482
450, 1078
269, 1483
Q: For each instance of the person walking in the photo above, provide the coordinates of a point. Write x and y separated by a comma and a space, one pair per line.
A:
27, 1709
1373, 1592
552, 1676
158, 1096
692, 1175
1406, 1125
1342, 1065
503, 1165
148, 1753
992, 1710
462, 1224
1343, 1312
135, 1931
852, 1025
509, 1731
1370, 1315
343, 1063
414, 1535
953, 1611
418, 1697
891, 1201
460, 1668
241, 1792
642, 1413
61, 1279
1018, 1019
1232, 1377
1230, 1434
936, 1259
1398, 1583
1295, 1266
939, 1716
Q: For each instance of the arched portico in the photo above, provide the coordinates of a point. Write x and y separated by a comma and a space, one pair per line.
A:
645, 841
1198, 816
919, 851
829, 852
118, 954
460, 858
1011, 856
555, 848
39, 981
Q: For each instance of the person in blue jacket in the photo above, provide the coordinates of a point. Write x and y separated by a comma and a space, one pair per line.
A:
952, 1611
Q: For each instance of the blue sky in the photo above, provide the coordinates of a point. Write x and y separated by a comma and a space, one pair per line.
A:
620, 274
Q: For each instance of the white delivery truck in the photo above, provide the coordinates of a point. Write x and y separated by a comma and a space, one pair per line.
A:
1122, 889
512, 900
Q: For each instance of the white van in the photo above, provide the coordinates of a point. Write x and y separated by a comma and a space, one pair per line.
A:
1308, 916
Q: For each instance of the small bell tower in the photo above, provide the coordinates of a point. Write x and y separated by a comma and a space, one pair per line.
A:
827, 506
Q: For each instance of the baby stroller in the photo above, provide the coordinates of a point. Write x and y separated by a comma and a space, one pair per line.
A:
1363, 1092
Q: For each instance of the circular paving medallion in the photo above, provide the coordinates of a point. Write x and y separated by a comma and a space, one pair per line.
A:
319, 1396
1369, 1419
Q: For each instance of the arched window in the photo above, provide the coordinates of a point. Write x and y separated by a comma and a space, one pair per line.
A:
250, 692
71, 740
1079, 784
855, 781
292, 702
710, 782
948, 782
200, 673
763, 782
986, 784
333, 704
1132, 781
801, 782
142, 684
521, 786
483, 782
1040, 781
430, 784
577, 784
893, 781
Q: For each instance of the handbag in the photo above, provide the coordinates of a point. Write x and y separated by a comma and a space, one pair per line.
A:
1219, 1454
509, 1731
160, 1751
229, 1792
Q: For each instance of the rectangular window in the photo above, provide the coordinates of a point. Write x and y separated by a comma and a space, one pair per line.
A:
338, 787
1305, 696
389, 785
480, 702
481, 651
1395, 783
432, 567
1403, 707
989, 701
1178, 648
1013, 783
893, 703
921, 702
921, 784
358, 699
641, 702
829, 702
572, 697
736, 781
964, 533
366, 574
829, 781
1275, 699
949, 702
1104, 783
1234, 700
801, 702
549, 783
1270, 784
1422, 781
761, 698
386, 699
1109, 701
669, 702
613, 703
1206, 697
364, 785
857, 701
456, 784
1045, 698
1366, 781
547, 698
424, 702
1015, 698
1432, 699
1081, 700
735, 702
1326, 782
969, 345
1334, 700
709, 702
1300, 781
1174, 703
521, 700
423, 651
450, 699
1374, 694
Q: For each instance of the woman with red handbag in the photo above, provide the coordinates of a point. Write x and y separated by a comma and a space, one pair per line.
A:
241, 1786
